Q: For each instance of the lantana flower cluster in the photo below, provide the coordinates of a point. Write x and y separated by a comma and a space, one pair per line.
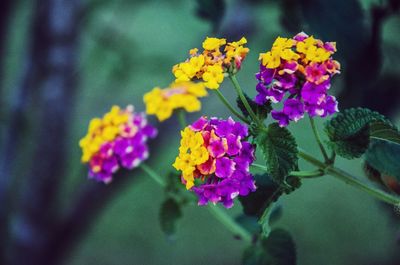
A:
184, 94
214, 158
300, 68
217, 58
119, 139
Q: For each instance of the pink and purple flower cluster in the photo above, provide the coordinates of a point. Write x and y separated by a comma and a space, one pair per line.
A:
298, 72
117, 140
215, 159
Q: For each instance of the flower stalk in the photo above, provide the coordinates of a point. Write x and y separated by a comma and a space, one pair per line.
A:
229, 106
318, 139
243, 99
350, 179
215, 210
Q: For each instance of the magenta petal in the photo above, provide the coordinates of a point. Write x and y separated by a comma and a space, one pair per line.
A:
281, 117
199, 124
216, 148
234, 144
224, 167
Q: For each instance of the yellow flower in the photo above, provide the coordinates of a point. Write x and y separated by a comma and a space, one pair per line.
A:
304, 46
235, 50
317, 55
271, 59
289, 55
103, 130
283, 43
196, 63
199, 155
162, 102
213, 43
213, 76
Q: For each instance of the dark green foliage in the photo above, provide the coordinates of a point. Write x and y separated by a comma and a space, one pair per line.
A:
211, 10
261, 111
346, 15
267, 192
170, 213
384, 131
384, 156
250, 223
349, 131
280, 151
277, 249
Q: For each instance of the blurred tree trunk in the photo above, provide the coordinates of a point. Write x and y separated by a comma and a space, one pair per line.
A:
6, 7
51, 74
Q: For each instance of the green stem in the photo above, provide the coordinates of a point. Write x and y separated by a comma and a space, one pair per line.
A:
318, 138
307, 174
258, 166
225, 219
182, 118
350, 179
156, 177
219, 213
300, 174
243, 98
229, 106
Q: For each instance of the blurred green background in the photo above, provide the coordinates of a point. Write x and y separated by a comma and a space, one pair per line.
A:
129, 47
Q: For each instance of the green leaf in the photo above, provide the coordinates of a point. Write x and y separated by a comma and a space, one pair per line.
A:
280, 247
349, 131
384, 131
280, 151
261, 111
255, 255
170, 213
267, 192
250, 223
384, 156
277, 249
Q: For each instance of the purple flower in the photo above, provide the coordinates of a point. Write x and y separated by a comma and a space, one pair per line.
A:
224, 167
313, 94
275, 94
301, 77
293, 109
281, 117
225, 174
127, 149
199, 124
234, 144
224, 127
286, 81
217, 147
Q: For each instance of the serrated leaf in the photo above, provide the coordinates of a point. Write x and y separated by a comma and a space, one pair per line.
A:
384, 131
384, 156
349, 131
280, 151
261, 111
277, 249
170, 213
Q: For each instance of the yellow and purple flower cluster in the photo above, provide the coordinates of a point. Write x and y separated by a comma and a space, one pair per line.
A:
211, 65
214, 159
301, 67
184, 94
119, 139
